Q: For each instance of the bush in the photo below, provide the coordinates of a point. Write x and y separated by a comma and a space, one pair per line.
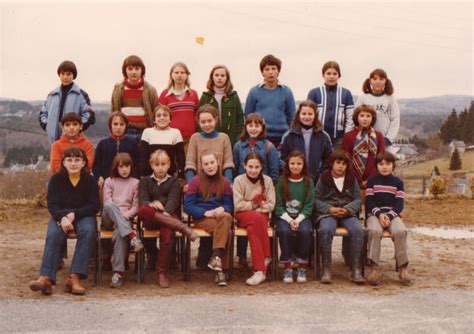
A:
437, 186
455, 163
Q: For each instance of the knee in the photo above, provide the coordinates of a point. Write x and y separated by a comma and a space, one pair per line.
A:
225, 219
399, 234
146, 213
375, 233
109, 207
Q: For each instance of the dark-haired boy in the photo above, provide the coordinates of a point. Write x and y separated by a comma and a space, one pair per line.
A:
384, 201
68, 97
135, 97
273, 100
71, 127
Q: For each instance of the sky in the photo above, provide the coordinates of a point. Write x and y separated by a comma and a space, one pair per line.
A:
425, 47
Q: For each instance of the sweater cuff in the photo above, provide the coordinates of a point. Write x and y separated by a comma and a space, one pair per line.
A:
189, 174
229, 173
286, 217
300, 218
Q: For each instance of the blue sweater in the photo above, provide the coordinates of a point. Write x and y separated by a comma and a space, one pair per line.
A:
277, 106
384, 194
320, 148
264, 148
335, 108
106, 151
196, 205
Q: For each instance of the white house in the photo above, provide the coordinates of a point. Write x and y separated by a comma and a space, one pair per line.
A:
459, 144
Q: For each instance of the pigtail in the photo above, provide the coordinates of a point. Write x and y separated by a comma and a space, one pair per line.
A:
388, 87
366, 86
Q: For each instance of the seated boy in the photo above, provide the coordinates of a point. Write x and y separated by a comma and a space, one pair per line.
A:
71, 126
384, 203
273, 100
67, 97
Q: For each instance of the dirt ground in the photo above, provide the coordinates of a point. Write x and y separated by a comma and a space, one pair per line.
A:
435, 262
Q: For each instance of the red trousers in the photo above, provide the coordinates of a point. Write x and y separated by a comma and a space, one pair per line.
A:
256, 224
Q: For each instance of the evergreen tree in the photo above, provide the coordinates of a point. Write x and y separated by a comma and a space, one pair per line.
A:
448, 131
455, 163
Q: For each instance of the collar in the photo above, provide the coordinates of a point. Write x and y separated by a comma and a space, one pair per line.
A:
117, 138
279, 84
134, 85
328, 180
213, 134
172, 91
74, 88
260, 143
159, 182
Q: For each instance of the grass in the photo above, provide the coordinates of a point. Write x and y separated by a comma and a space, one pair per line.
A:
424, 169
23, 185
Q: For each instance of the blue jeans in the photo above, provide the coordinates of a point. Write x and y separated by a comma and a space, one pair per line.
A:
86, 230
294, 243
327, 228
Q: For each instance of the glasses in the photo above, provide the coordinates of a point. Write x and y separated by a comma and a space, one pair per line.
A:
165, 114
71, 160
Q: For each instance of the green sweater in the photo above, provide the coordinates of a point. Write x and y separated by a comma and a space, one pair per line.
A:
299, 204
232, 115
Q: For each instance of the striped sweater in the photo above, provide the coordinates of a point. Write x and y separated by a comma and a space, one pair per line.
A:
335, 108
384, 194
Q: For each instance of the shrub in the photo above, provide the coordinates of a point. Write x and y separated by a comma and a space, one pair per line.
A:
437, 186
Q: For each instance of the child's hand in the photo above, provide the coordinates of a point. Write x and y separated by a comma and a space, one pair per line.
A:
333, 211
218, 211
100, 182
384, 220
209, 214
294, 226
166, 214
185, 188
71, 216
66, 225
343, 212
157, 205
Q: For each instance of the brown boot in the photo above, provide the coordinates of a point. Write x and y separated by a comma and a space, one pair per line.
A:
373, 275
176, 225
73, 285
405, 277
164, 280
327, 277
43, 284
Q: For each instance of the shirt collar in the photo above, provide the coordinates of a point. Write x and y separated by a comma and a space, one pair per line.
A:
279, 84
172, 91
160, 181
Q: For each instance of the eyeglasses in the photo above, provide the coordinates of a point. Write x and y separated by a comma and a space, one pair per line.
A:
162, 115
71, 160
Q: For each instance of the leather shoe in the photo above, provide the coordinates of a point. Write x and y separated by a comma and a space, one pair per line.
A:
164, 280
73, 285
43, 284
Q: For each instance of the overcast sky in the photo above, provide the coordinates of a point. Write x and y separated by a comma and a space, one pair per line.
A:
426, 48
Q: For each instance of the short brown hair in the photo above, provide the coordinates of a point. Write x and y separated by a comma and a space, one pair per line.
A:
132, 61
207, 108
122, 158
388, 89
339, 155
162, 107
68, 66
387, 156
270, 60
114, 114
331, 64
73, 152
366, 108
71, 117
254, 118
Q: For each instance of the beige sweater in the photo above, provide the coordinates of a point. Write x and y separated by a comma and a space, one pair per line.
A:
244, 191
220, 146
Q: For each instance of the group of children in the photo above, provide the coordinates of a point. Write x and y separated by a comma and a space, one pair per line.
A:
283, 161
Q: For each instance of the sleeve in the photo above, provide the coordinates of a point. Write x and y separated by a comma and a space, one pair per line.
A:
191, 156
92, 205
134, 208
180, 160
55, 157
227, 199
203, 100
349, 111
371, 207
274, 163
236, 154
251, 102
162, 98
279, 205
195, 101
346, 144
98, 161
290, 107
321, 206
143, 157
108, 191
86, 112
356, 203
43, 115
190, 200
285, 148
143, 195
54, 196
399, 201
227, 162
360, 100
229, 174
239, 127
327, 151
173, 200
309, 201
312, 96
240, 204
90, 155
134, 153
394, 114
380, 142
270, 196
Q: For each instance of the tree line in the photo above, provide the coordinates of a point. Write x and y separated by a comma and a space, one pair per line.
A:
459, 127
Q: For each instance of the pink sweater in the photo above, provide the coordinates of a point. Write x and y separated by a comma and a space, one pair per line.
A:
123, 193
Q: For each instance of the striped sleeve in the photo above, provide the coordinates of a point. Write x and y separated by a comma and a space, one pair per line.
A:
370, 199
399, 200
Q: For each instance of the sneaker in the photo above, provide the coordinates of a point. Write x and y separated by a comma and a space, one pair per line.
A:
373, 276
215, 263
405, 277
136, 244
220, 279
257, 278
117, 281
288, 276
301, 277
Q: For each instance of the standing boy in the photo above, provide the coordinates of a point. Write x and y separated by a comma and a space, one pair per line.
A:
384, 200
68, 97
273, 100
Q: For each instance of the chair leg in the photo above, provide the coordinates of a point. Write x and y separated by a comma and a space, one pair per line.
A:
274, 257
187, 267
231, 253
317, 255
96, 267
98, 263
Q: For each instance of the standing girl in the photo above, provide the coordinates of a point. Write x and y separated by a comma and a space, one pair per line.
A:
378, 93
294, 205
209, 201
363, 144
73, 202
221, 96
120, 206
254, 199
159, 199
182, 100
335, 103
162, 137
307, 135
